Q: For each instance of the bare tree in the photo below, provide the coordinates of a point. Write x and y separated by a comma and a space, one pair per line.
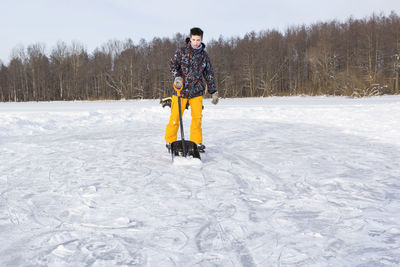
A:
358, 57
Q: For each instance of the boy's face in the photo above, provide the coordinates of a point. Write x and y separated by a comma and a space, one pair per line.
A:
195, 40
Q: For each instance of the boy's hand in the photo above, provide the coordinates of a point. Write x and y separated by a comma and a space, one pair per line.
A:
215, 98
177, 81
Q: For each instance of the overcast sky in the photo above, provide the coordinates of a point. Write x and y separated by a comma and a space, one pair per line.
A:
94, 22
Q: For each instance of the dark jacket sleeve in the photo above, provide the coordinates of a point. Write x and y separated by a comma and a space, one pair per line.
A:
175, 64
208, 74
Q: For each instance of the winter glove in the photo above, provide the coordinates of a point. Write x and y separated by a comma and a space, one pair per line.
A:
178, 82
215, 98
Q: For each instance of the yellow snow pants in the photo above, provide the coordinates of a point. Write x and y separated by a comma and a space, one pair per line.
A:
196, 107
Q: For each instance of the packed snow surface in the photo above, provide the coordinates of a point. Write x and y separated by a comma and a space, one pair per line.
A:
290, 181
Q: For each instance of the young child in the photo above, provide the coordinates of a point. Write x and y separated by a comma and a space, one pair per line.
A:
190, 64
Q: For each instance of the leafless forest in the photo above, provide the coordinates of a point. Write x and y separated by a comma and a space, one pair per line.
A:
359, 57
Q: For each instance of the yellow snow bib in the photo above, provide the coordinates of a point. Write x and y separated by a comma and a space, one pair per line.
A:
196, 107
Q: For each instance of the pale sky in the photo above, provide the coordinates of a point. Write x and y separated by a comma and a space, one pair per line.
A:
94, 22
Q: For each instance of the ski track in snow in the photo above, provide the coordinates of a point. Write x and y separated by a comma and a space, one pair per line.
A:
293, 181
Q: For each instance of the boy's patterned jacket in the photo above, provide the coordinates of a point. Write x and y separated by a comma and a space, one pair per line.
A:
192, 65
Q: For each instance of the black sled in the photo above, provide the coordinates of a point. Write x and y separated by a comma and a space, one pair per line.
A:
183, 148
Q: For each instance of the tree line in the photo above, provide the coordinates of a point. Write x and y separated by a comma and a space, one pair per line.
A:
358, 57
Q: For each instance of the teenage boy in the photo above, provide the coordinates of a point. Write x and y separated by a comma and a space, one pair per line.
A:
189, 65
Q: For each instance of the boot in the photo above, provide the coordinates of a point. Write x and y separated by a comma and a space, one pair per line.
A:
168, 146
201, 148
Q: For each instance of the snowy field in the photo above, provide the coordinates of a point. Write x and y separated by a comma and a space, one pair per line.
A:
293, 181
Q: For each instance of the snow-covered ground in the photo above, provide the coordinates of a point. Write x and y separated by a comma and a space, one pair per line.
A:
291, 181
